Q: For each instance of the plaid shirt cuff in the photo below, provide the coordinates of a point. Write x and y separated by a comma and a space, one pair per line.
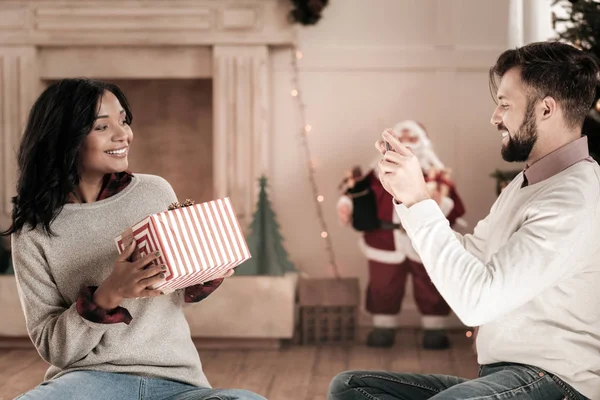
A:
196, 293
90, 311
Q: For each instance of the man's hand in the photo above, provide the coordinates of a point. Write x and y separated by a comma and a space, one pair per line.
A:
400, 172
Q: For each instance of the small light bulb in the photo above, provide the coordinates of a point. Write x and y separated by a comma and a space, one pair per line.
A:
323, 234
294, 93
320, 198
299, 54
469, 334
308, 128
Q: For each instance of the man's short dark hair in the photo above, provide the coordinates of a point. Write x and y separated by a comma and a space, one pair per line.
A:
554, 69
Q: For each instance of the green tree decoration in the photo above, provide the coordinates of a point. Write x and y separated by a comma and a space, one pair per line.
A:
265, 241
581, 28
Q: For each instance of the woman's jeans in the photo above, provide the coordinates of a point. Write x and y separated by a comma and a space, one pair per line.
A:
97, 385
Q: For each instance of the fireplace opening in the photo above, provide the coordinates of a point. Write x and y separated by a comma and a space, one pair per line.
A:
173, 132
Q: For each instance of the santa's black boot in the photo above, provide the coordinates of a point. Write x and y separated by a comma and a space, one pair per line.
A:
381, 337
435, 340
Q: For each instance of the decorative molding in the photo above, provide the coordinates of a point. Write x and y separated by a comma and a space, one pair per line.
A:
241, 104
148, 22
239, 19
19, 85
13, 18
140, 62
395, 58
81, 18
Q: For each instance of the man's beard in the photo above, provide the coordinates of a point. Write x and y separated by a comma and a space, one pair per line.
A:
520, 144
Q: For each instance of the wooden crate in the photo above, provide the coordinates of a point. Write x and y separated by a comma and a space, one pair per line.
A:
328, 310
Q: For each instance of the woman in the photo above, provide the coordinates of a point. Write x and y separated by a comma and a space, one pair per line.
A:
94, 319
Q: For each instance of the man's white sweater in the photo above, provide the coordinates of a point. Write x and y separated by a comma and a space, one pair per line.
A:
529, 275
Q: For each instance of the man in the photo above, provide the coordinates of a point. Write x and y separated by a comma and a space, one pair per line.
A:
391, 257
529, 275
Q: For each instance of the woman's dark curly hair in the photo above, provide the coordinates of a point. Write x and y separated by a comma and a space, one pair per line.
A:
49, 157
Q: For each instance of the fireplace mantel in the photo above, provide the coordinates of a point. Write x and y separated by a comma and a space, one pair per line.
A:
235, 35
144, 22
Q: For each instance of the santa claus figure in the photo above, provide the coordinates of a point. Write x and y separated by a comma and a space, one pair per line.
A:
369, 208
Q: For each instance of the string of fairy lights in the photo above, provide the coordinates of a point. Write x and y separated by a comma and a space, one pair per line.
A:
305, 130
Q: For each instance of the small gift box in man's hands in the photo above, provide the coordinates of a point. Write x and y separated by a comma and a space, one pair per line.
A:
197, 242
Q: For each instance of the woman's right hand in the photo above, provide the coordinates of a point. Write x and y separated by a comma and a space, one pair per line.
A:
129, 280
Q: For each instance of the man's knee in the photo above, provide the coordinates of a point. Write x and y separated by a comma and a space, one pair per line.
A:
339, 388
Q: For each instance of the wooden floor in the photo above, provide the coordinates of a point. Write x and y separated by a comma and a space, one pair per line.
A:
291, 373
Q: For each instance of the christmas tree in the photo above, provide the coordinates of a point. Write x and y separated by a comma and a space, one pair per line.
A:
581, 28
265, 241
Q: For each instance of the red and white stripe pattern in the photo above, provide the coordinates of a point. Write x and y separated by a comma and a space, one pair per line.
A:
198, 243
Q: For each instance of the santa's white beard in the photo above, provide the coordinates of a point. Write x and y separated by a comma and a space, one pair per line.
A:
420, 153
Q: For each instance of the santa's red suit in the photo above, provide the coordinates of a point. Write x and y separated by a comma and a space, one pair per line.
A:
388, 249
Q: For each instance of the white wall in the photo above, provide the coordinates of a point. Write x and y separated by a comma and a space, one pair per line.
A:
366, 67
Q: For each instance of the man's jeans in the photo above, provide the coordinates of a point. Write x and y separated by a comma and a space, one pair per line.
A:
495, 382
96, 385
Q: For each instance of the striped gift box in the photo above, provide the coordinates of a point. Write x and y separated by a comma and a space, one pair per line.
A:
198, 243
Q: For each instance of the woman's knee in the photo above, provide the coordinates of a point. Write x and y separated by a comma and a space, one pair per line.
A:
238, 394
